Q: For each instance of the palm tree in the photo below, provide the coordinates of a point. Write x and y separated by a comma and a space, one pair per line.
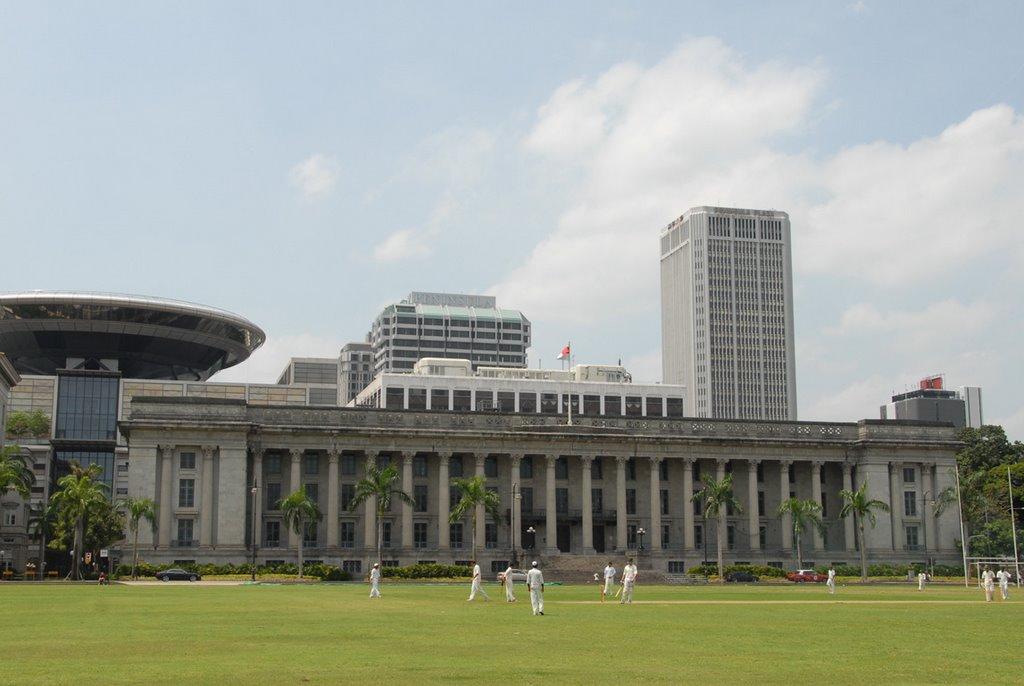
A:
717, 497
77, 494
474, 493
14, 472
804, 514
138, 509
299, 512
860, 505
41, 519
380, 485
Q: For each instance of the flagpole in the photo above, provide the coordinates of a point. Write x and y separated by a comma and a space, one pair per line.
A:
570, 382
1013, 524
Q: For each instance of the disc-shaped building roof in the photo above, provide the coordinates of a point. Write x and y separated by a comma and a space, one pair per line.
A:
151, 338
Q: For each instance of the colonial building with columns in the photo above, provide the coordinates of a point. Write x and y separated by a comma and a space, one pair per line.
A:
602, 486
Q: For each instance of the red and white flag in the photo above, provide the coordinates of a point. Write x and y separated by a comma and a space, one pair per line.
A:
564, 355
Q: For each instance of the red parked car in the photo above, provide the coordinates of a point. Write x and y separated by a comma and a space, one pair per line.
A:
806, 575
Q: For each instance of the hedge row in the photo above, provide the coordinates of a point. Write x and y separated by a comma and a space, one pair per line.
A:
319, 571
428, 572
756, 570
894, 570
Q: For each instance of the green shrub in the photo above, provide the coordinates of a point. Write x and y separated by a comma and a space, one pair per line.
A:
433, 571
319, 571
21, 424
762, 571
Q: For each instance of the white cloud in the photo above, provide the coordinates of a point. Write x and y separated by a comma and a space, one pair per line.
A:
646, 367
315, 176
266, 364
403, 245
859, 7
946, 322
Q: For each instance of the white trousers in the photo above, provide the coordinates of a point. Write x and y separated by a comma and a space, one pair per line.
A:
537, 599
477, 588
1004, 590
627, 592
609, 584
509, 595
375, 589
831, 583
989, 589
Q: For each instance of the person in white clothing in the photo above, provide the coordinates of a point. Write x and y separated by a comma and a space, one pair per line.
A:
921, 579
629, 575
1004, 583
535, 582
510, 597
831, 583
988, 583
609, 581
476, 587
375, 581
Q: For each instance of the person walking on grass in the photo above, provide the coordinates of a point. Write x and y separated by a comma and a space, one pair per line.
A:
510, 597
831, 583
475, 587
988, 583
609, 581
375, 580
1004, 583
921, 579
535, 582
629, 575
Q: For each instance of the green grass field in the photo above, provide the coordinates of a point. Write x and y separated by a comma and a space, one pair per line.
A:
327, 633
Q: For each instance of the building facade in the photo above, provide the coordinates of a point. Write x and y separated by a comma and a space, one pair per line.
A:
603, 485
13, 509
319, 375
727, 312
930, 402
355, 371
971, 395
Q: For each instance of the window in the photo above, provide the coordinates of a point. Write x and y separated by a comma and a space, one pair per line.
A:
311, 464
909, 475
313, 492
439, 399
613, 405
417, 398
664, 501
528, 402
491, 467
394, 398
592, 405
698, 535
654, 407
562, 500
419, 534
462, 401
912, 542
490, 535
663, 470
348, 494
762, 536
910, 503
187, 461
348, 534
386, 534
561, 468
634, 406
597, 500
453, 497
455, 536
548, 403
526, 467
420, 496
352, 566
731, 536
87, 407
272, 534
631, 469
696, 471
348, 465
185, 532
273, 464
631, 501
675, 407
273, 495
186, 492
666, 536
676, 566
506, 401
760, 472
698, 506
309, 536
527, 501
419, 465
631, 535
597, 469
824, 506
792, 474
455, 469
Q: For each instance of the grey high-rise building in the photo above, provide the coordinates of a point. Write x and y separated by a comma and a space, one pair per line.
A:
355, 370
727, 312
452, 325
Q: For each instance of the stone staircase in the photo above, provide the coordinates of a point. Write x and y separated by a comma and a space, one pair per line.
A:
580, 569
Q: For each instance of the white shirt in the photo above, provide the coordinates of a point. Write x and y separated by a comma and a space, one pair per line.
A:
987, 578
534, 579
629, 573
831, 575
1004, 577
375, 574
476, 572
609, 572
508, 574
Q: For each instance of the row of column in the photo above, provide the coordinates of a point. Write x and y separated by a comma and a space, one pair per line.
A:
167, 503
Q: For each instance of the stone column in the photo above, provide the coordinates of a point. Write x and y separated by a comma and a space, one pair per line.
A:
928, 508
257, 481
206, 517
166, 503
443, 493
753, 514
620, 502
586, 464
407, 459
550, 513
515, 526
787, 519
481, 522
896, 505
332, 499
849, 533
819, 540
654, 535
370, 507
688, 540
294, 483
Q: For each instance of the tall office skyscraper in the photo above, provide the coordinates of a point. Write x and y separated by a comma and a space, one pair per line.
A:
727, 312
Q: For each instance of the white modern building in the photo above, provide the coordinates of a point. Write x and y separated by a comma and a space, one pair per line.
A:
727, 312
453, 385
317, 374
971, 395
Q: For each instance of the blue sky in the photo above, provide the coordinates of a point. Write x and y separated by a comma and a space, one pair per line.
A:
303, 165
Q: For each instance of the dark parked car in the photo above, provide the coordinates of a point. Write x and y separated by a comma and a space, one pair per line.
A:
177, 575
740, 577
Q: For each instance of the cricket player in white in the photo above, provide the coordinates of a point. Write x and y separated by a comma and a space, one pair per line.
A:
476, 587
1004, 583
831, 583
609, 581
375, 581
921, 579
535, 582
629, 575
988, 583
510, 597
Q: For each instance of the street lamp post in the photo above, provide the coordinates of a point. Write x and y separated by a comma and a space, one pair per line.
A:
516, 498
255, 533
640, 532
